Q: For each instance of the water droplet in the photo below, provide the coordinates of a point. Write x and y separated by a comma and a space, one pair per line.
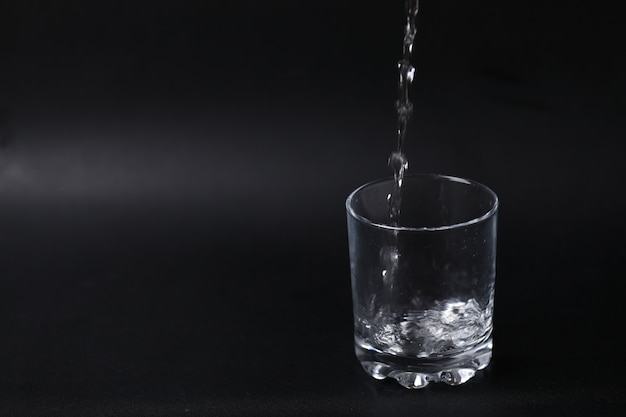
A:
406, 71
398, 161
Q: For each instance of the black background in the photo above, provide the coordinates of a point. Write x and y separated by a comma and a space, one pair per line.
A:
172, 186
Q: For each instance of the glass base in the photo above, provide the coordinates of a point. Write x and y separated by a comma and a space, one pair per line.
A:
417, 373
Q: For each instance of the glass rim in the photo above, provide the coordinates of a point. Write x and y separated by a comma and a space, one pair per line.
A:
490, 213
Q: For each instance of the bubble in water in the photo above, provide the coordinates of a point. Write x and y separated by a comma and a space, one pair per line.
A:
447, 326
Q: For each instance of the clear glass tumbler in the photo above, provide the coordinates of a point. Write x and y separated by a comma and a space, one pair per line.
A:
423, 285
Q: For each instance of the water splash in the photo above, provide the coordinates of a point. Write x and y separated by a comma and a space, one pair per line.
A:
447, 327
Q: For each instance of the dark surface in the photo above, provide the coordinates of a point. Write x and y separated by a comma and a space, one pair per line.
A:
172, 181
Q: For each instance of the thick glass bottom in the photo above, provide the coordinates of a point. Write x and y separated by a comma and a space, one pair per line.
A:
419, 372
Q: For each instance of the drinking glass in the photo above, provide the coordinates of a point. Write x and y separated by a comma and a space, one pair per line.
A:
423, 283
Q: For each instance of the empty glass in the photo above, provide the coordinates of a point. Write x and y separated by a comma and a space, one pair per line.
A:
423, 285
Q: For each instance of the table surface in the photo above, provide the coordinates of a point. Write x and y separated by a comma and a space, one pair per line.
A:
173, 181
